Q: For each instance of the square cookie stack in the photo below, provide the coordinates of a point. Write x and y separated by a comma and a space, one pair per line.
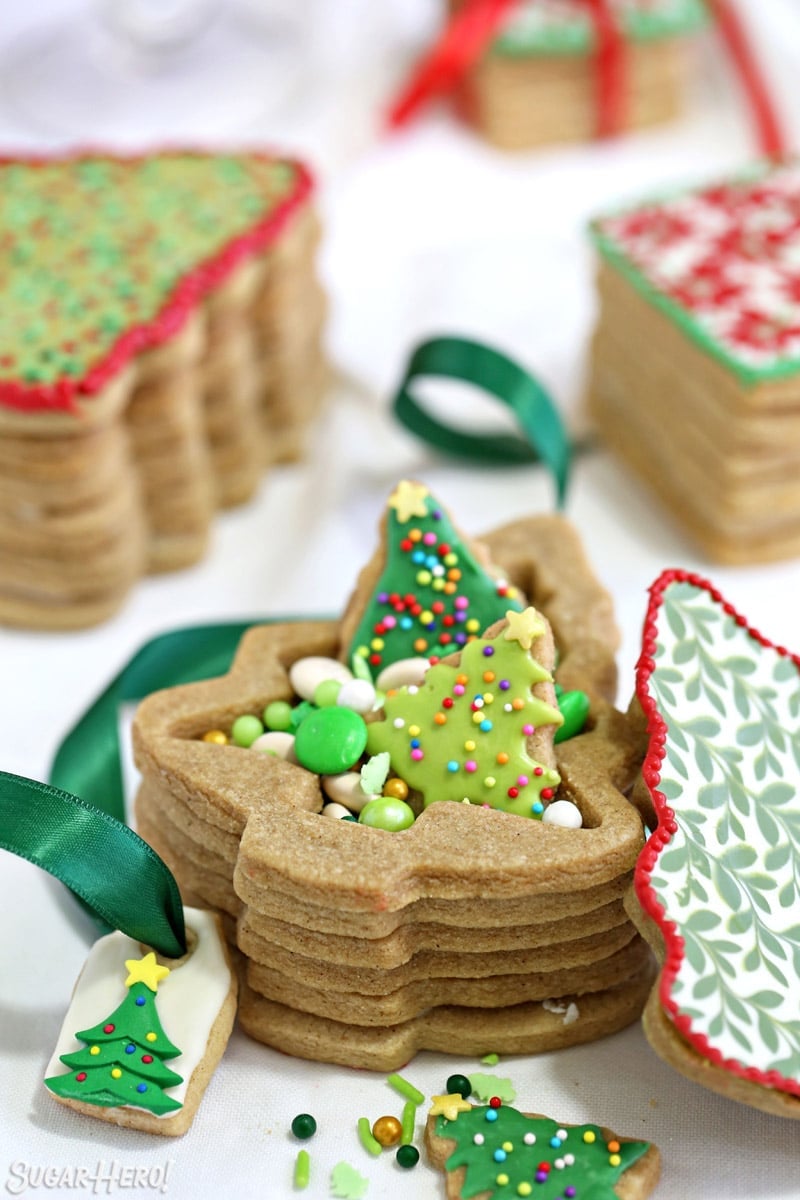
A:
467, 926
538, 82
695, 372
160, 346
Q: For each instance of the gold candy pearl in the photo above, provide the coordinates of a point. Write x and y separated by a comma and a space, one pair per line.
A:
397, 788
216, 736
387, 1131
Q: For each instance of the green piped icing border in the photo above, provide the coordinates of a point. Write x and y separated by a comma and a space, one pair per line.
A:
615, 256
575, 38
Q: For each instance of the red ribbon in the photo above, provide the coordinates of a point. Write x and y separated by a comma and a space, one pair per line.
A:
471, 30
770, 135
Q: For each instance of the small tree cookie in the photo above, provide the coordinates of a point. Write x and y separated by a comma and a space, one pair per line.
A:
495, 1152
480, 728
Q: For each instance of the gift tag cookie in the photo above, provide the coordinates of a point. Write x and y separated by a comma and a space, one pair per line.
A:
496, 1151
142, 1034
717, 884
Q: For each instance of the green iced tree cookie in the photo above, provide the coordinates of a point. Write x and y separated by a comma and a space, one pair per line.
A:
508, 1154
465, 733
432, 596
122, 1062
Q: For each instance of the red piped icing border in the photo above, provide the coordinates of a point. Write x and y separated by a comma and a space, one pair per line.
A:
660, 839
64, 394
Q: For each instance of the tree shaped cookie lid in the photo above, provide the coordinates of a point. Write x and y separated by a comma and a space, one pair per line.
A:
718, 880
425, 592
105, 256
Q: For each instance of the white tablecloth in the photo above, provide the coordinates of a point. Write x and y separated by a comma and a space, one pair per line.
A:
427, 232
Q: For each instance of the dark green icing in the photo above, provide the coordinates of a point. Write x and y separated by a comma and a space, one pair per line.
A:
428, 576
591, 1175
131, 1023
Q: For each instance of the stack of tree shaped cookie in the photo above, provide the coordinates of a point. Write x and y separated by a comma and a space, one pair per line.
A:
475, 928
696, 358
160, 346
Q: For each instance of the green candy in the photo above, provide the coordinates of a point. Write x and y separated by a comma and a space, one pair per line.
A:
387, 812
326, 693
407, 1157
278, 716
245, 730
330, 740
574, 708
304, 1126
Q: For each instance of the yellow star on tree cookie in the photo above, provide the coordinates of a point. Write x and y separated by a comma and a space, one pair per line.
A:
145, 970
408, 500
523, 627
449, 1106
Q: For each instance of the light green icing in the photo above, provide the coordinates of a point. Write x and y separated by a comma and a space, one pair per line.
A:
443, 746
592, 1174
561, 27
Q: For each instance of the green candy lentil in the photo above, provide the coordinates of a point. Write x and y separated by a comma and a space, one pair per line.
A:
387, 812
326, 693
330, 740
574, 708
278, 716
407, 1156
245, 730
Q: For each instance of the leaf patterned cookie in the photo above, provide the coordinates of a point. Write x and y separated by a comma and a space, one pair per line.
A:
719, 880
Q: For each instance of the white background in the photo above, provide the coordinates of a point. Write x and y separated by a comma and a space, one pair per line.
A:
426, 232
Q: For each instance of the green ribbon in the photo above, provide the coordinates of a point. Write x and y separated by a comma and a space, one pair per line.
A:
120, 879
88, 760
544, 438
84, 842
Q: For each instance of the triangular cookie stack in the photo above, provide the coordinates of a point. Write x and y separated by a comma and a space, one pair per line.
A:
160, 346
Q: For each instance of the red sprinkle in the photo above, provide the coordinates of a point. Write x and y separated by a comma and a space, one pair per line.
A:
80, 1076
109, 1028
495, 1102
448, 702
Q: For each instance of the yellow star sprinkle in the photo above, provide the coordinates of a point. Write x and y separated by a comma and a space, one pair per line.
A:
523, 627
449, 1106
145, 970
408, 500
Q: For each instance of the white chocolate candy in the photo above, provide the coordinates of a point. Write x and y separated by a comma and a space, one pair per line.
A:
402, 673
346, 789
564, 814
276, 742
307, 674
358, 694
337, 811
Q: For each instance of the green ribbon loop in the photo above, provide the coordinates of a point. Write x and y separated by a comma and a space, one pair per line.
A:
88, 760
544, 438
120, 879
